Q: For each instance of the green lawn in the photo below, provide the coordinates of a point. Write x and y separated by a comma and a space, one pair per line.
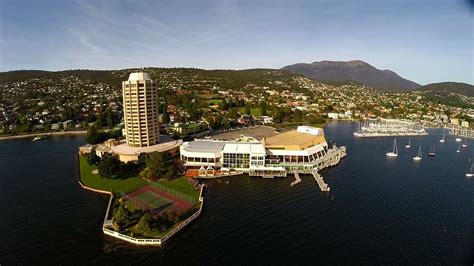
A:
181, 185
95, 181
255, 112
215, 101
192, 125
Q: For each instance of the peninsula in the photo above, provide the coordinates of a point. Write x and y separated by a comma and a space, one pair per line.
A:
153, 179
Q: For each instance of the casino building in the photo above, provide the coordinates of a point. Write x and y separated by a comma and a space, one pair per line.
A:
300, 150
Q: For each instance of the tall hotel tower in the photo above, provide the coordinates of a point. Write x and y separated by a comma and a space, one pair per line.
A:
140, 109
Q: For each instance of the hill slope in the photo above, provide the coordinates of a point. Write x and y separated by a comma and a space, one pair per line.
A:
449, 87
358, 71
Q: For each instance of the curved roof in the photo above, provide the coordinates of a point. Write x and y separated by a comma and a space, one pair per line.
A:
139, 76
294, 140
166, 143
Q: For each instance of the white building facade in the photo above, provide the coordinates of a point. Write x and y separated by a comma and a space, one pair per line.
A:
299, 149
140, 109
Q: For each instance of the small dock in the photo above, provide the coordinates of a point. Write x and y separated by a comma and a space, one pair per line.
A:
320, 181
297, 179
332, 158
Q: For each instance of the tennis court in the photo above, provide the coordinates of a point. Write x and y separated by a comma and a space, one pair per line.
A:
151, 198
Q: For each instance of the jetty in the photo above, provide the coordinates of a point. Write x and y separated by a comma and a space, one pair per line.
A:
332, 158
297, 179
320, 181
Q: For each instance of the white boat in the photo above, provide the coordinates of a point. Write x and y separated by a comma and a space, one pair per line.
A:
432, 151
418, 157
443, 139
394, 152
459, 148
464, 145
458, 139
409, 144
41, 137
471, 172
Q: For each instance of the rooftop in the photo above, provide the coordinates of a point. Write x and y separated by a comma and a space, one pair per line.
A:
294, 140
139, 76
257, 132
166, 143
204, 146
251, 148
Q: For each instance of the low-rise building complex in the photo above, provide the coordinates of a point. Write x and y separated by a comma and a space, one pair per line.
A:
303, 150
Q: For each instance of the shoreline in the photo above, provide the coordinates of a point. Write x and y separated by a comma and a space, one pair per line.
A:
160, 241
32, 135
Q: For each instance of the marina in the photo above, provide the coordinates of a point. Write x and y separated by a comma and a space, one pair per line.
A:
388, 128
464, 132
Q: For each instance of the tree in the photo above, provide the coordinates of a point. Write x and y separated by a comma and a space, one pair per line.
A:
263, 108
233, 114
224, 105
92, 158
166, 117
146, 223
298, 115
95, 136
172, 216
247, 110
101, 119
158, 167
109, 167
110, 120
279, 116
122, 217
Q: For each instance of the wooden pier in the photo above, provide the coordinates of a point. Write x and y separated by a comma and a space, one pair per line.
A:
297, 179
320, 181
332, 158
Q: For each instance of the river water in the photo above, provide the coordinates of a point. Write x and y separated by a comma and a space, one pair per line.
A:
379, 210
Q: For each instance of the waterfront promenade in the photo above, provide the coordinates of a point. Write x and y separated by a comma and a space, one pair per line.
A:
32, 135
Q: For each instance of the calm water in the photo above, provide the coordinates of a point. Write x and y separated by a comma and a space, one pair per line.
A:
379, 211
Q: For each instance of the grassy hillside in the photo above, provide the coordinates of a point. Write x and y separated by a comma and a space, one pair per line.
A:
449, 87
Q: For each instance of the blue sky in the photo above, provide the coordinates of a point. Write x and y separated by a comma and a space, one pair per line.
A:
425, 41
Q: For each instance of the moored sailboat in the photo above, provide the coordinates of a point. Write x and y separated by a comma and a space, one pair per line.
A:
471, 172
443, 139
409, 144
432, 151
394, 152
464, 145
418, 157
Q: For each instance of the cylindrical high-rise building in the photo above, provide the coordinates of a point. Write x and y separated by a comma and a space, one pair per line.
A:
140, 110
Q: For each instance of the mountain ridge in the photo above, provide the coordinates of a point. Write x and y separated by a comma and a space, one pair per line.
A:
354, 70
449, 87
